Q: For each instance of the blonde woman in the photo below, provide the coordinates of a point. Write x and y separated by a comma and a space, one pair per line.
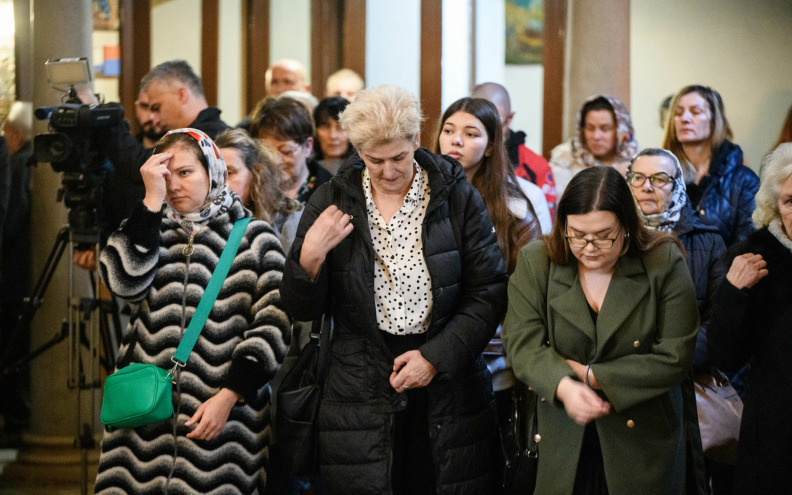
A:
720, 187
399, 248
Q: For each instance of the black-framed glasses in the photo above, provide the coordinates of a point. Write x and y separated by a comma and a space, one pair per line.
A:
599, 243
637, 179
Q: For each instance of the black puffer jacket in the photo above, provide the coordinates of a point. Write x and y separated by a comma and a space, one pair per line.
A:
469, 299
727, 194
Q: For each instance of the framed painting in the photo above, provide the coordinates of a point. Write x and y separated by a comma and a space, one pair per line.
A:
525, 21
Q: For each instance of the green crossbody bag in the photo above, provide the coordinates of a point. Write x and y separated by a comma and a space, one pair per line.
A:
140, 394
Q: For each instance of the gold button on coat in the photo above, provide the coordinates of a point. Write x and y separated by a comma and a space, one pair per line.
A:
637, 344
537, 438
630, 423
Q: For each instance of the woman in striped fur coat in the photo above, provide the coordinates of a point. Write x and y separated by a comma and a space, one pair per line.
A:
160, 260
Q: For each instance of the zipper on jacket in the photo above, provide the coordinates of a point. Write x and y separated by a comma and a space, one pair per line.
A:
188, 250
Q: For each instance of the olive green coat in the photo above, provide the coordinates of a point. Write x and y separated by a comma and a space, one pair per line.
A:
639, 351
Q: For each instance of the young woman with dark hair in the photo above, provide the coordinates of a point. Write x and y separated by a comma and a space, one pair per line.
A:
333, 144
601, 324
470, 132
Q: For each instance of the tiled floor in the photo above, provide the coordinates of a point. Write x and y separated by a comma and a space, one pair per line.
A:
31, 487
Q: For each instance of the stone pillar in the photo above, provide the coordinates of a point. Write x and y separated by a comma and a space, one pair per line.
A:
60, 28
598, 54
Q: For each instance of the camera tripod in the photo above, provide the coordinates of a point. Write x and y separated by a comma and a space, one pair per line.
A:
85, 329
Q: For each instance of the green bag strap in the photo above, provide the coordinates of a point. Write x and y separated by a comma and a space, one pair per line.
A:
210, 295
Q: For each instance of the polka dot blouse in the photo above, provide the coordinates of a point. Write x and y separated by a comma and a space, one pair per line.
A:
403, 289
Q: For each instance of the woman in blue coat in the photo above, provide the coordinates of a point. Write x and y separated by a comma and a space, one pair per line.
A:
601, 324
721, 188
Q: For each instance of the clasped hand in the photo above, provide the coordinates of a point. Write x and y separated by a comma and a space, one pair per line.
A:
411, 370
746, 270
581, 403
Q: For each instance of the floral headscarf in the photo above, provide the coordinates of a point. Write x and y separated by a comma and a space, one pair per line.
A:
219, 198
667, 219
626, 145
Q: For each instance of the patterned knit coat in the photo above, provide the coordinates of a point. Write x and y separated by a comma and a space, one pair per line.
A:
241, 346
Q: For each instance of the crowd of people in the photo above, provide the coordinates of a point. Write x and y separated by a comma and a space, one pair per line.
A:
459, 279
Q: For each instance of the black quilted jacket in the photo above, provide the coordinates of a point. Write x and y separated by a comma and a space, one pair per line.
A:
469, 299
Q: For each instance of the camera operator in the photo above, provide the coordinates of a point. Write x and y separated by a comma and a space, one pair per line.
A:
149, 134
15, 260
117, 185
175, 100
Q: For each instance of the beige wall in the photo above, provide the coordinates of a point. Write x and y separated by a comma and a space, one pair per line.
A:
740, 48
735, 46
597, 55
176, 32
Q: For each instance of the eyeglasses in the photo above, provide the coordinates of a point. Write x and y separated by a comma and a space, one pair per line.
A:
599, 243
637, 179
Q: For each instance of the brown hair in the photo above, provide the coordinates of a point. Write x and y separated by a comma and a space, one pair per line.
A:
786, 130
266, 198
602, 189
184, 141
282, 118
494, 179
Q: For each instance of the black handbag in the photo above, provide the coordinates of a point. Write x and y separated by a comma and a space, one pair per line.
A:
298, 399
521, 454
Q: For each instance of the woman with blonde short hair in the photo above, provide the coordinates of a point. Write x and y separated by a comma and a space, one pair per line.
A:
399, 249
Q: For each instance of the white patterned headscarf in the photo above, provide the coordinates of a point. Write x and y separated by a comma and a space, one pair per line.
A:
626, 145
666, 219
219, 199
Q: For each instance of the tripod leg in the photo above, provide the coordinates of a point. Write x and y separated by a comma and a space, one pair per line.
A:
32, 303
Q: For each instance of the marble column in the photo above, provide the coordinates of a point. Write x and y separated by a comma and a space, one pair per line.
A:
597, 54
60, 28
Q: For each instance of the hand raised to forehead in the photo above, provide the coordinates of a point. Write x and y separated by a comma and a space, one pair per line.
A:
155, 175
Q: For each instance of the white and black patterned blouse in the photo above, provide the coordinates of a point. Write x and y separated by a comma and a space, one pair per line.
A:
403, 289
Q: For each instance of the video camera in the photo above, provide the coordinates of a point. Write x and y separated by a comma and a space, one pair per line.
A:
70, 148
